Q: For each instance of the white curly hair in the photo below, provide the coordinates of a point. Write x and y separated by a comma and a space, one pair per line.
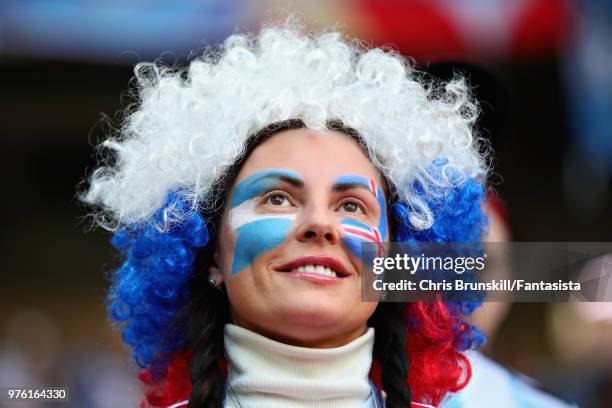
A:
190, 125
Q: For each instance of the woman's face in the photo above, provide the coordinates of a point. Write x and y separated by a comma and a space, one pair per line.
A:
291, 234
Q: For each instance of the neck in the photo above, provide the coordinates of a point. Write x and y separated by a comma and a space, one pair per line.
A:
268, 373
317, 340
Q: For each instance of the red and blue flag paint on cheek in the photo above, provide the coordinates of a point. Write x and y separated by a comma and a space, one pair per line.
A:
363, 232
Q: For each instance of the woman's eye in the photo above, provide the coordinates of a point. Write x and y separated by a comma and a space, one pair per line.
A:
351, 207
277, 200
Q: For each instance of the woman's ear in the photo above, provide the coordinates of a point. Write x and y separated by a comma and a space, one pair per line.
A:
215, 275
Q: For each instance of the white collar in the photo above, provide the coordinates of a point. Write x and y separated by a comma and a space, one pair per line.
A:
266, 373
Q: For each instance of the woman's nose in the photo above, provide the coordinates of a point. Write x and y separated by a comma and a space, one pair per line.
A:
318, 226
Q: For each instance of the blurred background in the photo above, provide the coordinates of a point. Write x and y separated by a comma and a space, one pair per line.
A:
543, 72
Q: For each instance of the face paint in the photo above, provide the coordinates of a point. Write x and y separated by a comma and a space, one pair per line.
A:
257, 234
259, 182
257, 238
356, 232
370, 185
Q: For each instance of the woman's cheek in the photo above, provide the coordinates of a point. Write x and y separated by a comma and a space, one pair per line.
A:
256, 234
355, 233
257, 238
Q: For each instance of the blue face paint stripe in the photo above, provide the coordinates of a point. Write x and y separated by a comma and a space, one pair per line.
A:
256, 238
382, 224
354, 245
352, 179
257, 183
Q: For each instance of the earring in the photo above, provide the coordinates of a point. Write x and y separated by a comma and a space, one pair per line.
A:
212, 282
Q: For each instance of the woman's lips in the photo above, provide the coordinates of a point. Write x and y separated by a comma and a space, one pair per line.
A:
313, 277
319, 266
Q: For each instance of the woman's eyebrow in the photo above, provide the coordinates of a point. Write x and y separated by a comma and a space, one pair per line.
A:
257, 183
351, 181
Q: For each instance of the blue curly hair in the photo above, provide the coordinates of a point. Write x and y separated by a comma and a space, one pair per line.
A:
458, 218
152, 285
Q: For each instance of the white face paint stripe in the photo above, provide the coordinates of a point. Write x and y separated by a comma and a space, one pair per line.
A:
245, 213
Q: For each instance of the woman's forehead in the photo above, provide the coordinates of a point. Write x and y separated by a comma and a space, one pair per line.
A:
314, 157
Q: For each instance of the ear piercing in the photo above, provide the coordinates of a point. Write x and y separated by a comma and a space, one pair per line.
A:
213, 283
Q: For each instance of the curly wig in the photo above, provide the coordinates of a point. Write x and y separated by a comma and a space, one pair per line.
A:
156, 185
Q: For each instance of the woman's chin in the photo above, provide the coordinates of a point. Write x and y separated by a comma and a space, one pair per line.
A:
315, 315
314, 329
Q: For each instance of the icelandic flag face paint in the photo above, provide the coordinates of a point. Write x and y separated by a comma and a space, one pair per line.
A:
380, 198
256, 233
356, 232
370, 185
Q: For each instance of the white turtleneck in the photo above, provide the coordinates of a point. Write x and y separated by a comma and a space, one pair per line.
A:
265, 373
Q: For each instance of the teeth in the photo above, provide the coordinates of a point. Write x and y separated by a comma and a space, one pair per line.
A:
317, 269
